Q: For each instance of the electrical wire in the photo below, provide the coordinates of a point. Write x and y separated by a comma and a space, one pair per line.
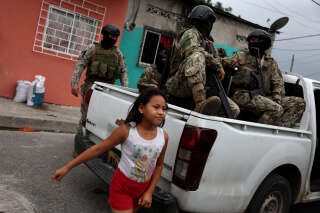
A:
308, 61
301, 23
256, 5
298, 37
296, 12
316, 2
276, 10
295, 49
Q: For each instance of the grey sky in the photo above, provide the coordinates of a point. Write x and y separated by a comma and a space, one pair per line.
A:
304, 19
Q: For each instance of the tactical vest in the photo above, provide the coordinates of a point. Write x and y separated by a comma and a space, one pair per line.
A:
243, 78
104, 65
177, 55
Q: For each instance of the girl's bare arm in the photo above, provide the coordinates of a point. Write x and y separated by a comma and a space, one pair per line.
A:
118, 136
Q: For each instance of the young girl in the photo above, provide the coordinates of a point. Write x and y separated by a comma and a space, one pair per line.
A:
143, 147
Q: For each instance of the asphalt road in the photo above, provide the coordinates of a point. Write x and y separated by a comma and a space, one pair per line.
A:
27, 161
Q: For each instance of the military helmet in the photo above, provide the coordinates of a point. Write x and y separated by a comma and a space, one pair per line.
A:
202, 13
258, 33
110, 29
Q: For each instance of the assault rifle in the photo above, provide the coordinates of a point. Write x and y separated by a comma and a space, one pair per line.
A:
220, 92
258, 76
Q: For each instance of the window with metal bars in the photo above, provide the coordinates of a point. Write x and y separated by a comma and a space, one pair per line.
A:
153, 42
68, 32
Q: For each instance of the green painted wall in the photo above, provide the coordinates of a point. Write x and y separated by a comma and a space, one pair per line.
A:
130, 47
229, 50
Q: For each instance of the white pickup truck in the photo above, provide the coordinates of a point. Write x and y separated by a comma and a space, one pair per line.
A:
215, 164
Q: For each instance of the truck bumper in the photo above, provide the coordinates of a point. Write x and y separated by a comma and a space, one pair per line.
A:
162, 201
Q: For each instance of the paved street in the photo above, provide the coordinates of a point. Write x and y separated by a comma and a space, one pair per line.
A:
27, 163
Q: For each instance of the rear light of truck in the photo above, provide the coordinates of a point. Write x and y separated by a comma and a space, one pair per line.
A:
87, 98
194, 148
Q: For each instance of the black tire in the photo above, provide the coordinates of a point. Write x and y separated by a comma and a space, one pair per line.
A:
273, 196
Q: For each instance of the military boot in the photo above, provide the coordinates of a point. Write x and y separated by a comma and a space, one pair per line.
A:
210, 106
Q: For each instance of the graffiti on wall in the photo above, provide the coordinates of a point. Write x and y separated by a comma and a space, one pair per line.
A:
174, 17
241, 38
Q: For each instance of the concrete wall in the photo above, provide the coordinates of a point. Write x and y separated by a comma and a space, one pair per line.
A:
169, 15
229, 32
164, 15
19, 61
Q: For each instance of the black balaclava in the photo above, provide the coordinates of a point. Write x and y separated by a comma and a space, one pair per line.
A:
107, 42
255, 46
204, 27
161, 60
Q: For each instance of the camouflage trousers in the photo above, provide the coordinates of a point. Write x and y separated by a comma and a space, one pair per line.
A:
85, 87
218, 108
268, 111
293, 108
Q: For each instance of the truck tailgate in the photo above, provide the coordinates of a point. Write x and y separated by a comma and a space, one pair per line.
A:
109, 103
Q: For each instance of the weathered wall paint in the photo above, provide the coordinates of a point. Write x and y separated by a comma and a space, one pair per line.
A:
19, 62
130, 47
229, 50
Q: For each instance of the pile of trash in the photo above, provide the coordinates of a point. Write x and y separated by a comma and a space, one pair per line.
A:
30, 92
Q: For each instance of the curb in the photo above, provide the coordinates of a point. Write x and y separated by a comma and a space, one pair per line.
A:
38, 124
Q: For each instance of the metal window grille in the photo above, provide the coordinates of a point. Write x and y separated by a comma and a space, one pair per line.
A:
68, 32
149, 47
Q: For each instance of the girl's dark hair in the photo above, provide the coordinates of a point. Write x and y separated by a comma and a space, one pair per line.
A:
144, 97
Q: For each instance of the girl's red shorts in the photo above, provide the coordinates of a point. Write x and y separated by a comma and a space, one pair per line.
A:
124, 193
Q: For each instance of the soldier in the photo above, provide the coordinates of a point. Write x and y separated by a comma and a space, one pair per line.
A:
104, 63
269, 104
191, 56
151, 76
222, 52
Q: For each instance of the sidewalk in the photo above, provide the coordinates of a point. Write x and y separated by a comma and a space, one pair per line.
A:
48, 117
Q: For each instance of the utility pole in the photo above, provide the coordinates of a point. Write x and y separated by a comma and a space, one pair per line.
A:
292, 60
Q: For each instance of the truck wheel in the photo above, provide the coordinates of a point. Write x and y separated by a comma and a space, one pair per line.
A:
273, 196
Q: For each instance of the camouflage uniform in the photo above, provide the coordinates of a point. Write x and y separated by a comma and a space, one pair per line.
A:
194, 58
265, 107
85, 60
149, 78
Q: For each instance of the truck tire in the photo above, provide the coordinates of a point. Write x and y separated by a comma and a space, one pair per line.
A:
273, 196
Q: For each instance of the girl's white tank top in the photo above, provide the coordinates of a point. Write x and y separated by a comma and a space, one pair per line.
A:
139, 156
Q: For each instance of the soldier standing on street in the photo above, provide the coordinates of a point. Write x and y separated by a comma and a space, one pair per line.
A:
271, 106
104, 62
191, 57
151, 76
